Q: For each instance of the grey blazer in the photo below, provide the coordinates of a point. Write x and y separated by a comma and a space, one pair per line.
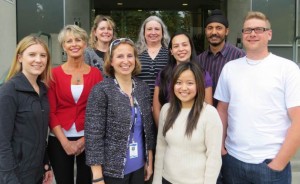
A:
108, 124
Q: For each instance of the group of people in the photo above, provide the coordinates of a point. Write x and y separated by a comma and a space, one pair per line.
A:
124, 111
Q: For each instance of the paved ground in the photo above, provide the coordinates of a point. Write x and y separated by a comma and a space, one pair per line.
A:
295, 169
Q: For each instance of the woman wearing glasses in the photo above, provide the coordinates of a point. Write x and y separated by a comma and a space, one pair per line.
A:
102, 33
119, 129
68, 93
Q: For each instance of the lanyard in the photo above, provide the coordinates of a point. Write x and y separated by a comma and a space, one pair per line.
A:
135, 108
135, 103
133, 86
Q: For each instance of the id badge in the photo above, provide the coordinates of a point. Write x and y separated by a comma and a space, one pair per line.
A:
133, 150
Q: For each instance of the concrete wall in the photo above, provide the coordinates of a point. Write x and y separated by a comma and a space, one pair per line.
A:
8, 32
79, 12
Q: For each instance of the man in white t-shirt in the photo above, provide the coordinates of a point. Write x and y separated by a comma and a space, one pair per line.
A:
259, 104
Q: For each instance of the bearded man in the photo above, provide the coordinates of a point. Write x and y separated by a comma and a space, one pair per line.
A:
219, 51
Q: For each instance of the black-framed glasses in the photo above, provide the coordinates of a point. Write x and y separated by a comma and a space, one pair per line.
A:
257, 30
118, 41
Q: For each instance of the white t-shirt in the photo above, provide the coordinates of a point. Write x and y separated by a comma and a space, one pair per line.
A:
259, 95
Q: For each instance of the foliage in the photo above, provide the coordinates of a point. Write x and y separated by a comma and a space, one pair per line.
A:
129, 22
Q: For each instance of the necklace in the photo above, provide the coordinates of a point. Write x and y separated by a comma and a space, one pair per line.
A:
77, 75
154, 50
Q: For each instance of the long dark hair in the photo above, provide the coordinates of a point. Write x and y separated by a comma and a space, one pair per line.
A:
166, 73
175, 103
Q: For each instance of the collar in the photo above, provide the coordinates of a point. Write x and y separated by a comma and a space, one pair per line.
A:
22, 84
223, 51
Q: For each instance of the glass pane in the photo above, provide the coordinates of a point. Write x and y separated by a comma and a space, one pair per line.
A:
282, 17
35, 16
129, 23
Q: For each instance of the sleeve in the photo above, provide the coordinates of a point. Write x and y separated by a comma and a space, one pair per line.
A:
46, 157
99, 76
8, 113
213, 141
157, 80
160, 147
222, 91
292, 86
52, 97
87, 57
207, 80
149, 119
95, 125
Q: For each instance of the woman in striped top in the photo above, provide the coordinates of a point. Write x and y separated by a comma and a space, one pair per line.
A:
152, 48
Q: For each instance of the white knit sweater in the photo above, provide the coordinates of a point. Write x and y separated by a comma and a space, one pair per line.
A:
194, 160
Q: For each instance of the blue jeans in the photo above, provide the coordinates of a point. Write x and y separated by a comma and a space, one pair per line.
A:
235, 171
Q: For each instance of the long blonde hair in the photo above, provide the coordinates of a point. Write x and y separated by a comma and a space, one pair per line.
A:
16, 66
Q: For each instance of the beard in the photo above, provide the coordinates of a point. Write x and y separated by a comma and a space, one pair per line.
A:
217, 43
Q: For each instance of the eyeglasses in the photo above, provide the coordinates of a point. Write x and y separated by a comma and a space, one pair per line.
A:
118, 41
257, 30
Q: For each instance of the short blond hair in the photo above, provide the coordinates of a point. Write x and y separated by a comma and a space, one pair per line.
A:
73, 29
258, 15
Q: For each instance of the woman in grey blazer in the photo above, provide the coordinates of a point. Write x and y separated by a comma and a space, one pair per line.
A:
119, 127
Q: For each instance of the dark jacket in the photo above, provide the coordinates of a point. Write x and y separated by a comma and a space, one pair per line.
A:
108, 124
23, 131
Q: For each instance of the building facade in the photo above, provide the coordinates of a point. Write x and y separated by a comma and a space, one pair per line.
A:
46, 18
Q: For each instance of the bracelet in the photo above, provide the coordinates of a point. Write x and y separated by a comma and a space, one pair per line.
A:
47, 167
97, 180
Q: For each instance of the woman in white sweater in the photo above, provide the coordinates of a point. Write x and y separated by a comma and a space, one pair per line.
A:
190, 133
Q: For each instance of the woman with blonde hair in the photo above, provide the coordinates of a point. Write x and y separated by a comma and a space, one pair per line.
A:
102, 34
68, 93
24, 116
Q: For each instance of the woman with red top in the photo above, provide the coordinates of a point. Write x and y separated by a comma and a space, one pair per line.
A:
68, 93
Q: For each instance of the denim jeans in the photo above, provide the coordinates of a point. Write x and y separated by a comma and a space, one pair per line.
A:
235, 171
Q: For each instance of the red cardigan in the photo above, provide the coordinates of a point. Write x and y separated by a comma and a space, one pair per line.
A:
63, 109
